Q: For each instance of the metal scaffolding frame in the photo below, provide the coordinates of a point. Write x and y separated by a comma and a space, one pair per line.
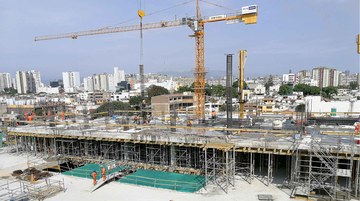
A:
320, 169
130, 152
157, 154
245, 166
220, 167
182, 156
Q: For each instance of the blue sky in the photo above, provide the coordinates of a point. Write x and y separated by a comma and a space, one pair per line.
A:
295, 35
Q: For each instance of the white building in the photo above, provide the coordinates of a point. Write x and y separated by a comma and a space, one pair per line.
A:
289, 78
71, 81
119, 75
48, 90
316, 105
37, 79
5, 81
28, 81
21, 82
168, 84
100, 82
89, 84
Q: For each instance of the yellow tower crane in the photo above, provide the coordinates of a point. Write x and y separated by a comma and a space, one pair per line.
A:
248, 15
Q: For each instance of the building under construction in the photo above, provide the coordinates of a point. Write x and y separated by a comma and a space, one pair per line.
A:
313, 163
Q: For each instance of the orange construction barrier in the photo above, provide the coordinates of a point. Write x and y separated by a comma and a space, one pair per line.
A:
103, 173
94, 175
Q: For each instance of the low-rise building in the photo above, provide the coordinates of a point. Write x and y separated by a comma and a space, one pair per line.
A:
164, 104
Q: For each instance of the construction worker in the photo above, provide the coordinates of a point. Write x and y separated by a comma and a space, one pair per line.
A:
357, 129
188, 123
94, 175
213, 114
103, 173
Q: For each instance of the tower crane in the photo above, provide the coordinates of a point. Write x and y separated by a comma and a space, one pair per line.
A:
248, 15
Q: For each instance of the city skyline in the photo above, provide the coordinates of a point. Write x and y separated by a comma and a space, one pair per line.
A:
318, 39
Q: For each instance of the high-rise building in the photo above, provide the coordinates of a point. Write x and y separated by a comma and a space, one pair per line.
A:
36, 80
100, 82
71, 81
89, 83
302, 76
5, 81
119, 75
326, 76
21, 82
289, 78
28, 81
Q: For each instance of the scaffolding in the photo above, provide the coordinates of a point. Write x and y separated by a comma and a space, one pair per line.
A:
22, 191
220, 166
157, 154
319, 171
130, 152
245, 166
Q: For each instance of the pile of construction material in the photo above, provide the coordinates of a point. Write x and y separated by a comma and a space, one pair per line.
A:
30, 174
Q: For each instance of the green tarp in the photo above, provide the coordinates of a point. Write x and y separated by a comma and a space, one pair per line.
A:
86, 170
152, 178
167, 180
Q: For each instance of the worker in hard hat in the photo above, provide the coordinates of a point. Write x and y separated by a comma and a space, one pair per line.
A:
94, 175
188, 123
213, 114
103, 173
357, 129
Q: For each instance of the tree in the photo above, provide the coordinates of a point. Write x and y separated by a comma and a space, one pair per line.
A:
328, 92
10, 91
154, 90
218, 90
109, 108
183, 89
236, 85
307, 89
285, 89
135, 100
353, 85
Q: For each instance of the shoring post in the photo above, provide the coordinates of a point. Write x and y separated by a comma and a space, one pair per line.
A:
251, 167
357, 179
35, 146
206, 167
16, 145
227, 170
234, 166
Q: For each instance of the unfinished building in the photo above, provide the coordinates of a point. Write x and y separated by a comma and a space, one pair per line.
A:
315, 163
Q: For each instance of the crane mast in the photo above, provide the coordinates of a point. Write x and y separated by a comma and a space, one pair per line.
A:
248, 16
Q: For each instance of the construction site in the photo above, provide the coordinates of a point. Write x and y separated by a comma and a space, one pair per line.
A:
189, 153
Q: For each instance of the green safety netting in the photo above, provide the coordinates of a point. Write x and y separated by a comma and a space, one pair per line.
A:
152, 178
167, 180
86, 170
